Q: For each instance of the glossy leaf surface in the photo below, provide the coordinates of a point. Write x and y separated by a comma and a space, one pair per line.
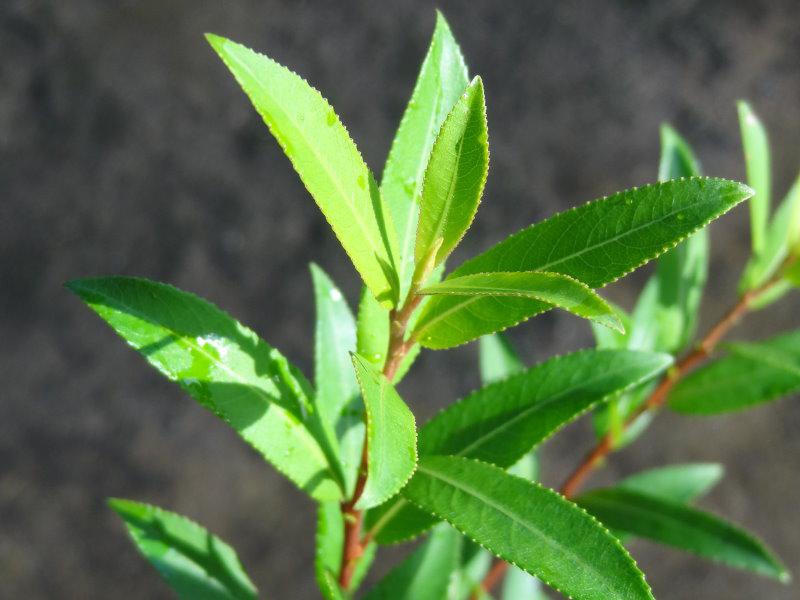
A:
441, 82
196, 564
503, 421
325, 158
595, 243
552, 288
675, 524
391, 436
528, 525
749, 375
454, 177
225, 367
757, 161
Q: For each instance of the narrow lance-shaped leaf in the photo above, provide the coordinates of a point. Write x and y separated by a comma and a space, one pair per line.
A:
196, 564
225, 367
528, 525
441, 81
325, 158
391, 436
337, 400
497, 358
454, 178
503, 421
552, 288
757, 162
675, 524
750, 375
782, 237
678, 483
595, 243
425, 574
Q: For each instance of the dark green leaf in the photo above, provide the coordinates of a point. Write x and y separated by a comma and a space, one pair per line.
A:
552, 288
683, 527
425, 574
454, 179
325, 158
225, 367
196, 564
595, 243
441, 81
503, 421
757, 162
391, 436
530, 526
753, 374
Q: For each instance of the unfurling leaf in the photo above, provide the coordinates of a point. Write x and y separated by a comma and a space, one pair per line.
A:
675, 524
325, 158
441, 82
225, 367
757, 161
196, 564
391, 436
503, 421
454, 178
595, 243
528, 525
552, 288
749, 375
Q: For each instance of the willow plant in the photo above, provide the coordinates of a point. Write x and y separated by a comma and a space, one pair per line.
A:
466, 478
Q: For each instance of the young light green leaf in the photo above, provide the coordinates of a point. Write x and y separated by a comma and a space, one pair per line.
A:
612, 339
325, 158
757, 162
503, 421
473, 565
529, 526
749, 375
678, 525
497, 358
441, 82
337, 389
454, 177
391, 436
677, 483
677, 158
196, 564
225, 367
329, 540
425, 574
782, 236
595, 243
558, 290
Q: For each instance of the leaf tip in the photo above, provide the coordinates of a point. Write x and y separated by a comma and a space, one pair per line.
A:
217, 42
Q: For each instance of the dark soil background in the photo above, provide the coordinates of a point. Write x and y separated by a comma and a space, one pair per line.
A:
126, 147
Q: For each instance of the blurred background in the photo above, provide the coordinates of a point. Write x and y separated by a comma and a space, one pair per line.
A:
126, 147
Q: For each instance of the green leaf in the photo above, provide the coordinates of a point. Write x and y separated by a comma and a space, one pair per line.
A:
329, 540
503, 421
677, 158
196, 564
678, 483
391, 436
595, 243
425, 574
781, 237
757, 161
330, 587
497, 358
752, 374
474, 563
529, 526
337, 389
612, 339
539, 287
441, 81
325, 158
225, 367
454, 178
675, 524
